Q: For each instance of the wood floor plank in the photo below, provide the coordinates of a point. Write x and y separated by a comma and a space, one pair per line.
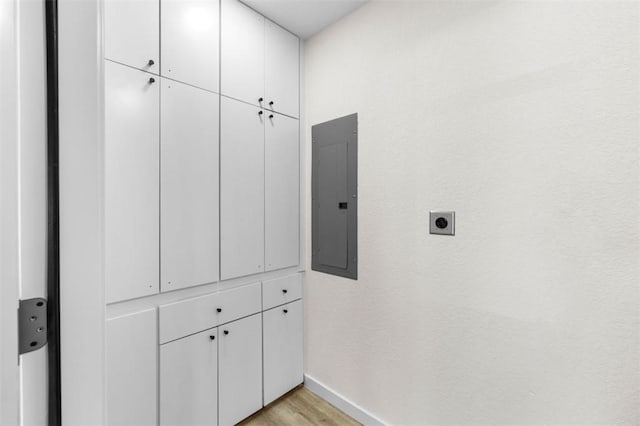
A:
300, 407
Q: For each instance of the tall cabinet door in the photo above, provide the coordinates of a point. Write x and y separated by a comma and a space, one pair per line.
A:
132, 33
131, 183
241, 189
282, 187
282, 66
242, 52
189, 380
190, 41
282, 350
189, 186
240, 369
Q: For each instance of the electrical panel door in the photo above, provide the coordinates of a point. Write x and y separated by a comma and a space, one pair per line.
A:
335, 196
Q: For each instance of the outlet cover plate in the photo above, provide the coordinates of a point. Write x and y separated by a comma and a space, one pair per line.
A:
442, 222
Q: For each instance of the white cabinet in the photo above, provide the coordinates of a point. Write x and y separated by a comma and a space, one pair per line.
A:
241, 52
241, 189
132, 33
190, 41
131, 362
131, 182
282, 344
189, 380
282, 186
192, 315
189, 186
279, 291
281, 70
240, 369
259, 60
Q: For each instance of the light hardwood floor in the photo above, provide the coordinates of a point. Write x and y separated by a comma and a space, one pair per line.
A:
300, 407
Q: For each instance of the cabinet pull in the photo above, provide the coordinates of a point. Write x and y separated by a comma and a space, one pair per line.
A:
151, 62
152, 80
260, 100
260, 112
212, 337
226, 332
218, 310
271, 103
285, 311
270, 115
284, 290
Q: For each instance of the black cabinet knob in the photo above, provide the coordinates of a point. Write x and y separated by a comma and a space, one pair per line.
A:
152, 80
270, 115
151, 62
260, 112
285, 311
271, 103
212, 337
218, 310
226, 332
284, 290
260, 99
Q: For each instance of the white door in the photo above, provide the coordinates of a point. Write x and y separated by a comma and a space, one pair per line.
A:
189, 186
132, 369
240, 369
282, 327
282, 186
282, 65
23, 205
189, 380
241, 189
190, 41
132, 182
242, 52
132, 33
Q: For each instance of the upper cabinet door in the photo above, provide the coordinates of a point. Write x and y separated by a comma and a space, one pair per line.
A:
189, 186
190, 41
131, 182
132, 33
241, 189
282, 64
242, 53
282, 188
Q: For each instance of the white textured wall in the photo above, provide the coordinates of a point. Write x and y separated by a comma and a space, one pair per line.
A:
524, 118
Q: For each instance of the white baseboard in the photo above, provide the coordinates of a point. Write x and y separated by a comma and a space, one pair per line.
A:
342, 403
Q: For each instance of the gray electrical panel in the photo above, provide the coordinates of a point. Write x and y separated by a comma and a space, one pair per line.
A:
334, 183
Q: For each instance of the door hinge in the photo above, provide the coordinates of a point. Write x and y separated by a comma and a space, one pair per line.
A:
32, 324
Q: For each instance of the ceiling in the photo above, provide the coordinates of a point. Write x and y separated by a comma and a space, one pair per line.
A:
304, 17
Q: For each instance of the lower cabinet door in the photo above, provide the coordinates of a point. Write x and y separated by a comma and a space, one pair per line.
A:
240, 369
189, 380
132, 369
282, 350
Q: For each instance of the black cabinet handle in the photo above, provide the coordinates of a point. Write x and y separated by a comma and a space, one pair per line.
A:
152, 80
226, 332
285, 311
284, 290
260, 112
260, 100
212, 337
218, 310
151, 62
270, 115
271, 103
